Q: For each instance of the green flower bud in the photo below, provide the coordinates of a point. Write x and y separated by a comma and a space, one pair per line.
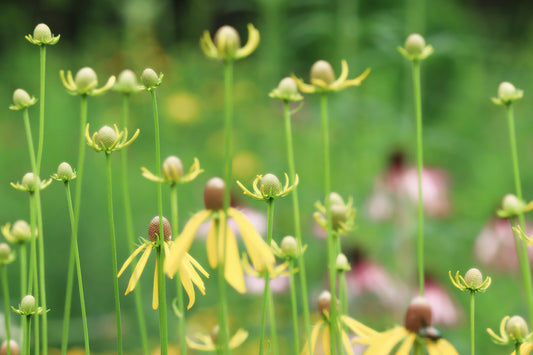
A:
506, 91
22, 99
512, 205
126, 82
289, 247
65, 172
338, 215
150, 79
335, 199
473, 278
214, 194
106, 137
85, 80
270, 186
30, 182
342, 263
172, 169
42, 33
324, 301
154, 229
322, 71
418, 315
21, 231
5, 253
13, 348
516, 328
27, 305
227, 41
288, 87
415, 44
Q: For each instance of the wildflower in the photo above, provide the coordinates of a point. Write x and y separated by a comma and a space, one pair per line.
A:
188, 273
42, 35
64, 173
173, 172
323, 78
210, 342
259, 252
85, 82
472, 281
127, 83
28, 307
417, 325
416, 48
6, 255
287, 90
342, 214
108, 139
150, 79
507, 93
30, 183
20, 233
513, 331
512, 206
227, 43
288, 249
324, 303
22, 100
269, 187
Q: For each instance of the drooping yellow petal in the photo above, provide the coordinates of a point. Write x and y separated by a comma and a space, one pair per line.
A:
325, 341
238, 338
130, 259
251, 44
347, 343
407, 344
383, 343
211, 245
443, 347
139, 269
310, 345
155, 293
186, 282
183, 243
357, 81
205, 345
232, 266
357, 327
344, 73
197, 265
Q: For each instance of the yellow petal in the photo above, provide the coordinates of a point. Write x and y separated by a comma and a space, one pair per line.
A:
130, 259
183, 243
383, 343
357, 327
407, 345
357, 81
344, 73
232, 267
187, 283
325, 341
443, 347
251, 44
138, 269
207, 45
197, 265
314, 335
155, 294
347, 343
205, 345
238, 338
211, 245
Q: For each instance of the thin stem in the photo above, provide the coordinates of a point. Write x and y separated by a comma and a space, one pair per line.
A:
113, 250
175, 232
33, 283
129, 227
517, 348
5, 286
42, 282
331, 240
81, 159
522, 252
297, 222
223, 333
27, 332
472, 324
294, 309
41, 107
23, 270
68, 296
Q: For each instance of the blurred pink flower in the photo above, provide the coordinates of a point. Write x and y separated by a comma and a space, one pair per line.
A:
444, 309
258, 220
256, 285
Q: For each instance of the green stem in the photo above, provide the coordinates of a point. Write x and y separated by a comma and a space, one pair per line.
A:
343, 291
81, 159
181, 306
41, 107
297, 222
419, 161
68, 297
517, 348
472, 324
5, 286
27, 332
113, 250
23, 270
331, 242
294, 308
223, 332
522, 252
129, 228
33, 268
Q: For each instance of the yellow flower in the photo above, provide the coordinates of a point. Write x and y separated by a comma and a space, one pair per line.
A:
85, 82
227, 44
258, 250
173, 172
108, 139
417, 326
472, 282
342, 214
525, 349
209, 342
513, 331
269, 187
188, 273
323, 78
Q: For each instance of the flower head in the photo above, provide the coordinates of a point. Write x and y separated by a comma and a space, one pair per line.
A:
416, 48
173, 172
20, 233
108, 139
287, 90
323, 78
227, 43
269, 187
472, 281
42, 35
6, 255
507, 93
30, 183
219, 233
513, 330
209, 342
22, 100
150, 79
342, 214
188, 269
65, 173
28, 307
512, 206
127, 83
85, 82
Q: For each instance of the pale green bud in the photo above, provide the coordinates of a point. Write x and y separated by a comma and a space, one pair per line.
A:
106, 137
322, 71
289, 247
415, 44
85, 79
324, 301
65, 172
270, 186
27, 305
21, 231
227, 41
516, 328
30, 182
473, 278
172, 169
150, 79
5, 253
42, 33
22, 99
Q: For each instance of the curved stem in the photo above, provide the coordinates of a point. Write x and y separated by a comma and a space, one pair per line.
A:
297, 222
113, 250
5, 286
294, 305
419, 161
472, 324
41, 107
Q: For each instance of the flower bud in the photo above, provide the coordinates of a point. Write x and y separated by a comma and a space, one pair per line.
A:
415, 44
322, 71
154, 229
506, 91
30, 182
324, 301
338, 215
289, 246
22, 99
149, 78
512, 205
335, 198
473, 278
21, 231
27, 305
85, 79
126, 82
13, 348
5, 253
227, 41
42, 33
65, 172
270, 186
418, 315
106, 137
172, 169
516, 328
342, 263
287, 87
214, 194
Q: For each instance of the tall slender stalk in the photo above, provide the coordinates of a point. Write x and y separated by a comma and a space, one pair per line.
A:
113, 250
297, 221
41, 106
27, 333
33, 279
5, 286
23, 259
129, 228
294, 305
223, 341
472, 324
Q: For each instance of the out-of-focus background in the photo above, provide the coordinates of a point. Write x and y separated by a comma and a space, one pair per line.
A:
478, 44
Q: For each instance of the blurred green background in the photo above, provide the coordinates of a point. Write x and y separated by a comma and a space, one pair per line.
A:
478, 44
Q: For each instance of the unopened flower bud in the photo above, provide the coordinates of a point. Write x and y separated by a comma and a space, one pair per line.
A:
227, 41
473, 278
506, 91
5, 253
154, 229
150, 78
30, 182
322, 71
13, 348
415, 44
289, 246
516, 328
324, 301
21, 231
512, 204
106, 137
338, 215
85, 79
22, 99
214, 194
172, 169
65, 172
418, 315
27, 305
287, 87
335, 198
342, 263
270, 186
42, 33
